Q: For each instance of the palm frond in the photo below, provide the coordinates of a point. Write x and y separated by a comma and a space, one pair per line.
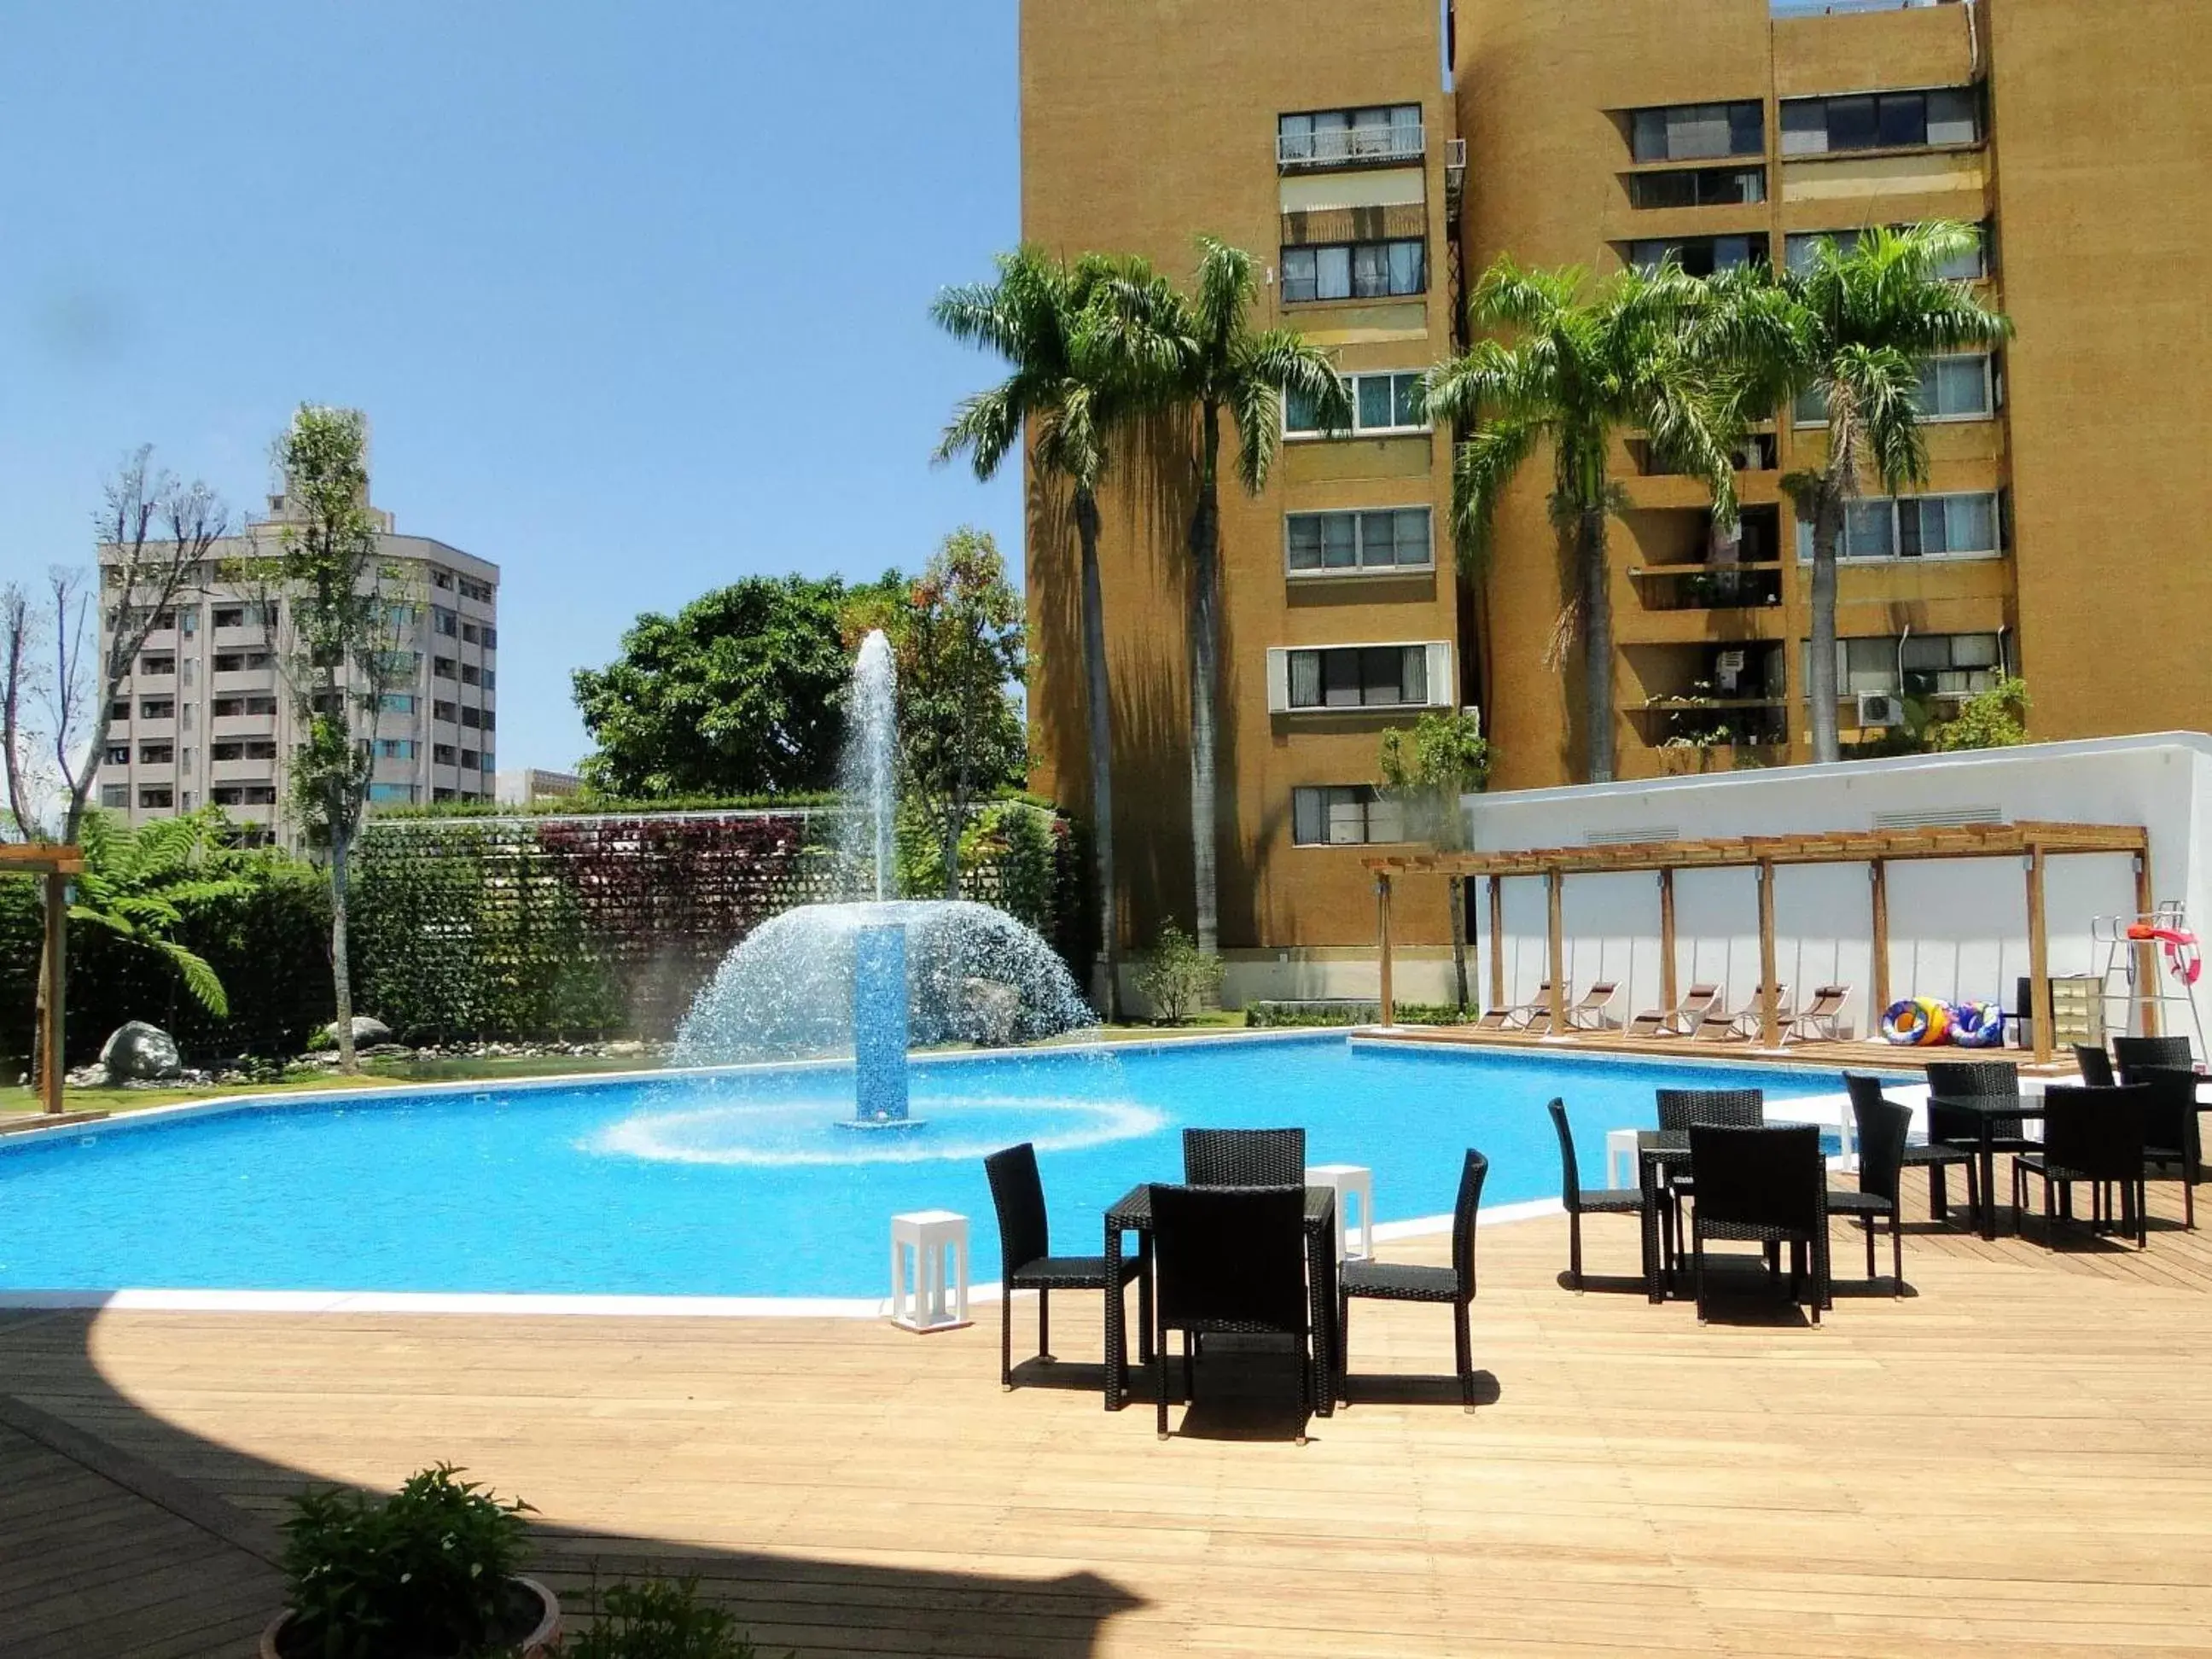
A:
1483, 465
199, 978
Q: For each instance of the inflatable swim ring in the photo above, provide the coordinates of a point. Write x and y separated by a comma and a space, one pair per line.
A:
1977, 1024
1916, 1022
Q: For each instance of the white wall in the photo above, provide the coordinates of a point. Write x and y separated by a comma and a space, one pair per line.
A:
1958, 927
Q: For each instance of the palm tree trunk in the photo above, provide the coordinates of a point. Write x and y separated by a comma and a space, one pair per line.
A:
341, 966
1204, 673
1102, 758
1597, 640
1821, 670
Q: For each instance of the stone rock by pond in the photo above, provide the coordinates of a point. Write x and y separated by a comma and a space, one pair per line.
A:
367, 1029
136, 1052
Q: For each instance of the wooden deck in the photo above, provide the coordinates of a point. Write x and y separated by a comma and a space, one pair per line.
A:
2011, 1459
1857, 1057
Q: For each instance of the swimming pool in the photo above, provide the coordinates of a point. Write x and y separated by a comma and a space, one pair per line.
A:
736, 1183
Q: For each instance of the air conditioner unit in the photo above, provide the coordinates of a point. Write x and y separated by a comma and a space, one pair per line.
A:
1880, 709
1455, 152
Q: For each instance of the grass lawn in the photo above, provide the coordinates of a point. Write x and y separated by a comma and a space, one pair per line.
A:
18, 1103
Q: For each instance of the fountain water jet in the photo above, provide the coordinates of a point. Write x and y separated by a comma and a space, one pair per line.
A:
872, 976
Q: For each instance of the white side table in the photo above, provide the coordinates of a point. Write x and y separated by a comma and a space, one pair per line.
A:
931, 1235
1349, 1179
1620, 1157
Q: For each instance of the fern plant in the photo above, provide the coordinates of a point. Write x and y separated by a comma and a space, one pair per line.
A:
138, 883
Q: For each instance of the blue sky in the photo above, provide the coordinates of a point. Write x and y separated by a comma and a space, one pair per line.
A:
634, 294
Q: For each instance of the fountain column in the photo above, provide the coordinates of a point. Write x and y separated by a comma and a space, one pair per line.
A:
879, 1024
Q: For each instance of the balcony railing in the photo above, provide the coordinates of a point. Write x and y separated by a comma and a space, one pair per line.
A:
1704, 586
1843, 8
1350, 147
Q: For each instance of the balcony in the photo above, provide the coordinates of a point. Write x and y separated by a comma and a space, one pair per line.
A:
1709, 586
1394, 145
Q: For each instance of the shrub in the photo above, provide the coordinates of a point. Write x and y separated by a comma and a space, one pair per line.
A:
657, 1618
425, 1571
1994, 719
1264, 1015
1177, 978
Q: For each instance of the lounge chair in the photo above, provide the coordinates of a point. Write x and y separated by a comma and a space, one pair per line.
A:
1521, 1014
1680, 1020
1589, 1014
1746, 1024
1823, 1019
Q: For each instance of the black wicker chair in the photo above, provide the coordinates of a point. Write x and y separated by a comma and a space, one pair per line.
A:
1391, 1281
2095, 1065
1230, 1260
1244, 1158
1766, 1185
2094, 1135
1579, 1199
2171, 1147
1026, 1260
2131, 1054
1936, 1156
1883, 1126
1743, 1108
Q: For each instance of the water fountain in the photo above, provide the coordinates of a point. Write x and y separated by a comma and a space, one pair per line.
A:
876, 975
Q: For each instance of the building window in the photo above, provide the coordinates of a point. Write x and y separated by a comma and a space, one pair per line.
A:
1914, 527
227, 707
442, 754
1394, 538
471, 760
241, 662
1698, 255
1355, 270
188, 620
489, 761
1345, 815
1698, 187
491, 680
1358, 677
470, 674
156, 800
395, 748
471, 717
444, 621
471, 634
490, 720
1384, 132
1697, 132
119, 710
441, 578
393, 794
164, 664
116, 754
1920, 666
157, 754
490, 637
115, 796
442, 667
1381, 403
401, 665
480, 592
1957, 388
1970, 266
157, 708
1881, 120
395, 702
441, 794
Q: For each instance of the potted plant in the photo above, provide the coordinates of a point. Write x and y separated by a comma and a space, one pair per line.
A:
657, 1618
429, 1573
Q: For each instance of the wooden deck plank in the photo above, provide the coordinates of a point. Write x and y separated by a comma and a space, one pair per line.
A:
2011, 1459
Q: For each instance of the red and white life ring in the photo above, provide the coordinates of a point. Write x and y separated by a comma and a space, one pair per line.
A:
2184, 960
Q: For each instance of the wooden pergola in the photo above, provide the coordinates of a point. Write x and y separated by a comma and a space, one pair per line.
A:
56, 865
2033, 844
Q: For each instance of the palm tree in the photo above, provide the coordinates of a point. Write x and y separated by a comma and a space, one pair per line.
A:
1580, 372
138, 882
1220, 364
1076, 376
1851, 330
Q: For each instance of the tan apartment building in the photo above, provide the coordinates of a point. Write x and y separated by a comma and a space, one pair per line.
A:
1373, 156
205, 717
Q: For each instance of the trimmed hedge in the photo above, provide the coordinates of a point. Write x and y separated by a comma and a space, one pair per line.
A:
1349, 1012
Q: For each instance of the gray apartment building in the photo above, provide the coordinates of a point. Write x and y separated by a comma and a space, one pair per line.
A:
204, 717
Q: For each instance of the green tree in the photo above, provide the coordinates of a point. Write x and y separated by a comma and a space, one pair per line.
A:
958, 644
1079, 374
1851, 331
1210, 362
341, 656
1581, 372
1427, 769
1994, 719
739, 693
139, 885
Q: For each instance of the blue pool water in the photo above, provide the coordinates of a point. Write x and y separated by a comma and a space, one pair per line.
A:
736, 1183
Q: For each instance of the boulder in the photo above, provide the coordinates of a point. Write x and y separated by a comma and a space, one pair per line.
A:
137, 1052
367, 1029
994, 1011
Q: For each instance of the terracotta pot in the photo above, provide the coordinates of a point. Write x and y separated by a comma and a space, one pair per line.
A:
543, 1641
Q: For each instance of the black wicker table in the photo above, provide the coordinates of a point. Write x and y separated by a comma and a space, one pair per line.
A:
1133, 1213
1988, 1111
